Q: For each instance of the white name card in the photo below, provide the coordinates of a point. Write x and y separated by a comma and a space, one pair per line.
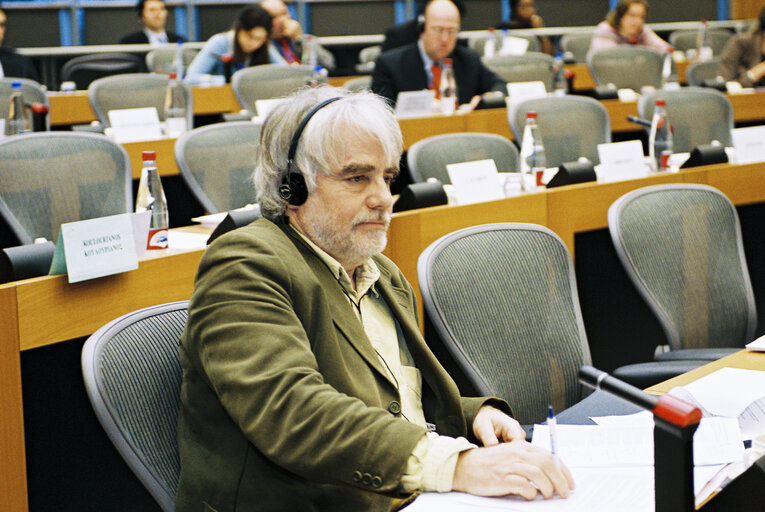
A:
135, 124
749, 144
264, 107
475, 181
415, 103
96, 247
621, 161
514, 45
522, 91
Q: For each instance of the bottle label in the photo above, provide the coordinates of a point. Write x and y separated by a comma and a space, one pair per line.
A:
538, 174
664, 160
157, 239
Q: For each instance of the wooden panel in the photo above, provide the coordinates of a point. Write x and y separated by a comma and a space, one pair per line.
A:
13, 482
742, 359
214, 100
165, 149
51, 310
70, 108
745, 9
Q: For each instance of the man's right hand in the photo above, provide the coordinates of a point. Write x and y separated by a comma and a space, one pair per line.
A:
511, 468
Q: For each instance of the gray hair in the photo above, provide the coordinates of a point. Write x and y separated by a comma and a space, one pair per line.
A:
363, 116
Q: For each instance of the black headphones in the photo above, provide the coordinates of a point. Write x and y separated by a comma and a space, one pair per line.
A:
293, 188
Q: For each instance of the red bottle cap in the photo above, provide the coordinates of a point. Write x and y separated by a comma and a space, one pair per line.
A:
661, 103
531, 114
149, 155
173, 75
227, 57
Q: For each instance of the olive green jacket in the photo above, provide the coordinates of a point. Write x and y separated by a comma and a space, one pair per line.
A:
285, 405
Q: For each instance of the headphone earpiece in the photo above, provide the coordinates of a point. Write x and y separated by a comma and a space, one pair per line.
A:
293, 188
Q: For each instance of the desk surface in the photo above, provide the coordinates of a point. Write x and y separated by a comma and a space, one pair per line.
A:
46, 310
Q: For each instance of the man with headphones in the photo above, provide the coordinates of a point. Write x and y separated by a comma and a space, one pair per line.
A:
307, 384
152, 15
412, 67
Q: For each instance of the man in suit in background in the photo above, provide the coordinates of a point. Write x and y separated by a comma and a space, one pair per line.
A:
409, 31
11, 63
287, 38
152, 15
409, 68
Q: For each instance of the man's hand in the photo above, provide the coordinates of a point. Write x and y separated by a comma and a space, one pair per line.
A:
292, 29
492, 425
511, 468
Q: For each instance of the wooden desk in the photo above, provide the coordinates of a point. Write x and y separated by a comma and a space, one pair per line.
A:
743, 359
566, 210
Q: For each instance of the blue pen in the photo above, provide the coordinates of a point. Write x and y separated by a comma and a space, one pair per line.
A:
551, 423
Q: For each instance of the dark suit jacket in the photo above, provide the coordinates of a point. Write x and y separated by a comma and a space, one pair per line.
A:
140, 37
17, 66
401, 35
285, 404
402, 69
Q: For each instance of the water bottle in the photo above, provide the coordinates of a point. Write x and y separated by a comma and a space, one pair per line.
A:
560, 82
319, 76
500, 45
704, 42
308, 57
175, 107
151, 197
447, 88
660, 138
490, 47
18, 120
178, 61
533, 158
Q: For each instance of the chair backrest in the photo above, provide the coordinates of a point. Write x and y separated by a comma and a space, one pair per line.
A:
687, 39
268, 81
698, 115
428, 158
681, 246
49, 178
162, 60
134, 90
576, 43
367, 58
86, 68
696, 73
362, 83
631, 67
530, 66
132, 373
503, 300
477, 42
217, 161
571, 126
32, 91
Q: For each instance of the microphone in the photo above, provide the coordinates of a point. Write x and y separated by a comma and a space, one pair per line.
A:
637, 120
667, 407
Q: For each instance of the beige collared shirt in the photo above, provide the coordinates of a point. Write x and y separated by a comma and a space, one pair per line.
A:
433, 460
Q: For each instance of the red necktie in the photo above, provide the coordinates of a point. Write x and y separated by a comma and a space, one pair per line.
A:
435, 69
289, 55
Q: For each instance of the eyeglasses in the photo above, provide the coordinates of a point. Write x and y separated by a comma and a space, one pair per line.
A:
443, 30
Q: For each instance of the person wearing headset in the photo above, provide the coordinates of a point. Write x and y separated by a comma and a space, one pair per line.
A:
152, 15
307, 384
287, 38
625, 25
413, 67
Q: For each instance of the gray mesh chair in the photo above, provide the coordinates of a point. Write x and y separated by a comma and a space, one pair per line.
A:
577, 44
86, 68
50, 178
162, 60
631, 67
571, 126
132, 373
134, 90
217, 162
698, 115
427, 158
681, 246
530, 66
367, 58
32, 91
477, 42
686, 39
503, 300
698, 72
268, 81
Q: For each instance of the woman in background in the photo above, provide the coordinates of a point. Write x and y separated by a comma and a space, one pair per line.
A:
625, 25
246, 43
743, 58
